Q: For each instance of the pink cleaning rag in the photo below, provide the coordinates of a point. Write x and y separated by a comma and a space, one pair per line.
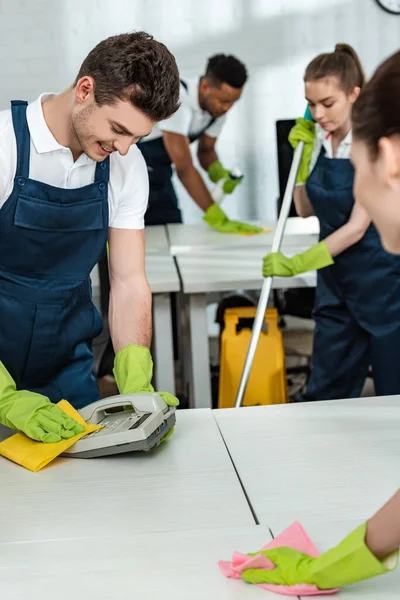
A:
294, 537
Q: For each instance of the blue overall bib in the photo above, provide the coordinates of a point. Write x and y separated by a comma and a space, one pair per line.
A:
163, 202
357, 308
50, 239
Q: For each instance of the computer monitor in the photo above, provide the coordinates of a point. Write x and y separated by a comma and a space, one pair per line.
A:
285, 157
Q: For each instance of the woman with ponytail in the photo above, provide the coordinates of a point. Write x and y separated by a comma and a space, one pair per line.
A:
357, 309
372, 548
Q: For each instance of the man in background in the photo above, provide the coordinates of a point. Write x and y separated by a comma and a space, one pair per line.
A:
205, 101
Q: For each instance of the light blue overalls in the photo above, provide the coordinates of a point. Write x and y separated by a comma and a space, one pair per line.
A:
50, 240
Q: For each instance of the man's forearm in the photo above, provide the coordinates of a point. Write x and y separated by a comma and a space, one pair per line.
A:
130, 314
207, 157
195, 186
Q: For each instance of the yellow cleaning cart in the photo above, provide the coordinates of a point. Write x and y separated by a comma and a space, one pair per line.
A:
267, 381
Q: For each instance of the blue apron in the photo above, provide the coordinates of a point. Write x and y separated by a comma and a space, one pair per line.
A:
163, 202
50, 239
357, 309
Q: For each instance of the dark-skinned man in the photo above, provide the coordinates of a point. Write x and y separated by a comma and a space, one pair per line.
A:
204, 101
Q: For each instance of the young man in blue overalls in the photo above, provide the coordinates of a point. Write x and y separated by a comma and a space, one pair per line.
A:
72, 178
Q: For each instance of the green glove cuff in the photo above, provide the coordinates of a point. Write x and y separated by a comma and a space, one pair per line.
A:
351, 561
7, 384
216, 171
231, 184
303, 131
214, 214
133, 369
317, 257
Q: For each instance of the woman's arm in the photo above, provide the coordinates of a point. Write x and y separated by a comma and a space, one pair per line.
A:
383, 529
350, 233
302, 202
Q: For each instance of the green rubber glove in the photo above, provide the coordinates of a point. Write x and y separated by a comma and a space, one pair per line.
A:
278, 265
133, 371
217, 219
303, 131
217, 171
32, 413
349, 562
231, 183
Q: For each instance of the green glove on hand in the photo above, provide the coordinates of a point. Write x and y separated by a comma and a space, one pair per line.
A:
349, 562
303, 131
32, 413
216, 172
133, 371
317, 257
217, 219
231, 183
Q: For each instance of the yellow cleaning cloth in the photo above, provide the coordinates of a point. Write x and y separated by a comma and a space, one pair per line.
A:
35, 455
265, 230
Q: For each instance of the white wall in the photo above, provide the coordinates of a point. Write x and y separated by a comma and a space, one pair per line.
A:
42, 43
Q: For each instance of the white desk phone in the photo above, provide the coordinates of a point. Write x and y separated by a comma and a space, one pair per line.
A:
131, 422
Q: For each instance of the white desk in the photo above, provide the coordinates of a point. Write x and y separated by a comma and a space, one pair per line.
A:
155, 525
156, 240
192, 238
329, 465
226, 270
222, 270
187, 483
292, 457
163, 279
154, 566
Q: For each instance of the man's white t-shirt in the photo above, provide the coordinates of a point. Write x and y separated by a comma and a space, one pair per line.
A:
190, 118
51, 163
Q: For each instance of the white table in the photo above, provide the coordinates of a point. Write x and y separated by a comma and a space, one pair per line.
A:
155, 525
156, 240
222, 270
192, 238
134, 526
187, 483
329, 465
164, 565
163, 279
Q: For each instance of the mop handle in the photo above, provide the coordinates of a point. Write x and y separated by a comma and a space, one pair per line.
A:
267, 284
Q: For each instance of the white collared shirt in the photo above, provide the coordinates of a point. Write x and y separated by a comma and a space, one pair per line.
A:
324, 139
189, 119
51, 163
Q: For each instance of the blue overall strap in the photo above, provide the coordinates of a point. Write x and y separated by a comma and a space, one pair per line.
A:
196, 136
23, 139
102, 172
22, 136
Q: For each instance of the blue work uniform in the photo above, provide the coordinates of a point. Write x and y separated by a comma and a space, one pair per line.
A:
357, 309
50, 240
